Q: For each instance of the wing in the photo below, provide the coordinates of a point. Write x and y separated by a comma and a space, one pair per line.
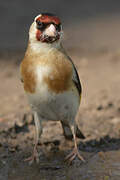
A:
75, 78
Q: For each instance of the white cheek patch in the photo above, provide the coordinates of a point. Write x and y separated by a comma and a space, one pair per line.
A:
37, 17
50, 31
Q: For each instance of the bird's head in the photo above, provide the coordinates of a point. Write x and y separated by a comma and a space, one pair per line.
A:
46, 29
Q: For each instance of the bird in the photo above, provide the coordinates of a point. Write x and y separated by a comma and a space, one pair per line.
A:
51, 81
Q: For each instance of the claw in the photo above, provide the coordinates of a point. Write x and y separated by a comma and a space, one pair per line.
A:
73, 155
34, 157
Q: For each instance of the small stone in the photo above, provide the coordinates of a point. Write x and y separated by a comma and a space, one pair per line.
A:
100, 107
56, 142
110, 104
12, 149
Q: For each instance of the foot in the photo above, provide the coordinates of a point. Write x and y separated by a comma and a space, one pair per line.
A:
73, 155
34, 157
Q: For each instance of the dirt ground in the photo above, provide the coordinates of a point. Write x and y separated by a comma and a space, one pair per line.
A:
98, 117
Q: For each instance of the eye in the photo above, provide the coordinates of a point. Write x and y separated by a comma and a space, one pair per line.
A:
40, 25
58, 27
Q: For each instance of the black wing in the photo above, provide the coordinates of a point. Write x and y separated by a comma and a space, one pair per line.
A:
75, 78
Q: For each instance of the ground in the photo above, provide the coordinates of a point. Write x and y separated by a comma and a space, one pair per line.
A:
98, 118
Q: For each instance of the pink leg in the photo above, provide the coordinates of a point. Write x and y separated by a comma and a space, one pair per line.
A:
35, 155
75, 151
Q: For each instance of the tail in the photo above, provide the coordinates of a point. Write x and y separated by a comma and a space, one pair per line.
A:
68, 133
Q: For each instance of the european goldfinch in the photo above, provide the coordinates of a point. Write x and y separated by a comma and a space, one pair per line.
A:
50, 80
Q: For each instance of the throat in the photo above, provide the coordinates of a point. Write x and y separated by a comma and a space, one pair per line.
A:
39, 47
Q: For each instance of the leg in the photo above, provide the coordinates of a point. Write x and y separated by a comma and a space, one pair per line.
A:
68, 133
75, 151
38, 126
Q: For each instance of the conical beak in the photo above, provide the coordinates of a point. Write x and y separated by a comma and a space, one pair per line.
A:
51, 31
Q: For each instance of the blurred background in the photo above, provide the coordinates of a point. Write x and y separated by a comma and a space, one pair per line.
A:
92, 39
91, 24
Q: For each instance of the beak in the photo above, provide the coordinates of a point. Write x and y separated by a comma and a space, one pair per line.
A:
51, 31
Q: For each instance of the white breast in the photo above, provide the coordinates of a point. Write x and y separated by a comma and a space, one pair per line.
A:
51, 105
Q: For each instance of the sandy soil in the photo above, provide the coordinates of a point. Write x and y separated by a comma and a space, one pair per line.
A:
98, 118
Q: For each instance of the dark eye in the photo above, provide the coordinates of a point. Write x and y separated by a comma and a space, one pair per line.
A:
58, 27
40, 25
